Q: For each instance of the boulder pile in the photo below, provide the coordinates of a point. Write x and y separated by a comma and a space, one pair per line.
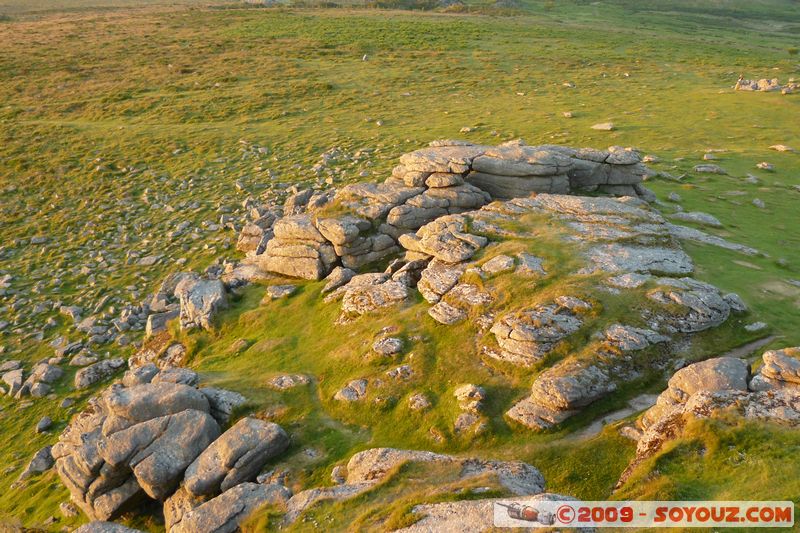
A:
718, 387
766, 85
156, 435
366, 222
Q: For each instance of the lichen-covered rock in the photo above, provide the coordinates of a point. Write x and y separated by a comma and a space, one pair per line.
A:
703, 305
525, 337
200, 300
235, 457
159, 450
447, 238
366, 298
711, 390
438, 278
711, 375
134, 443
224, 513
353, 391
88, 376
781, 368
222, 402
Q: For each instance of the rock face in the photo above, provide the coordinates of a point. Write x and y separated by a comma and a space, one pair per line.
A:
717, 387
224, 513
781, 369
199, 301
711, 375
141, 438
235, 457
525, 338
88, 376
447, 178
130, 443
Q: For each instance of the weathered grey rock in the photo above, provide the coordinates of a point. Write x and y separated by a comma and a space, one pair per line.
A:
338, 277
692, 234
629, 338
618, 258
449, 159
88, 376
388, 346
362, 299
8, 366
783, 365
132, 443
44, 424
702, 305
530, 265
183, 376
525, 337
352, 392
254, 235
224, 513
735, 303
288, 381
301, 501
446, 314
712, 375
438, 278
13, 379
275, 292
159, 450
222, 402
140, 375
772, 406
373, 464
560, 392
469, 516
418, 402
709, 169
235, 457
199, 301
446, 239
699, 218
498, 264
42, 461
127, 406
470, 397
781, 369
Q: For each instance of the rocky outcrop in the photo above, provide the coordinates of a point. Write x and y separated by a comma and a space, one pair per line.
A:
143, 437
105, 527
199, 301
235, 457
766, 85
711, 375
366, 222
526, 337
781, 369
719, 387
224, 513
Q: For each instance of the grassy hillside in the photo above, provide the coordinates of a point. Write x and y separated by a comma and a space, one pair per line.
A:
118, 124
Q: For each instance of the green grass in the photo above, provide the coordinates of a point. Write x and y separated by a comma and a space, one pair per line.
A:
98, 106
